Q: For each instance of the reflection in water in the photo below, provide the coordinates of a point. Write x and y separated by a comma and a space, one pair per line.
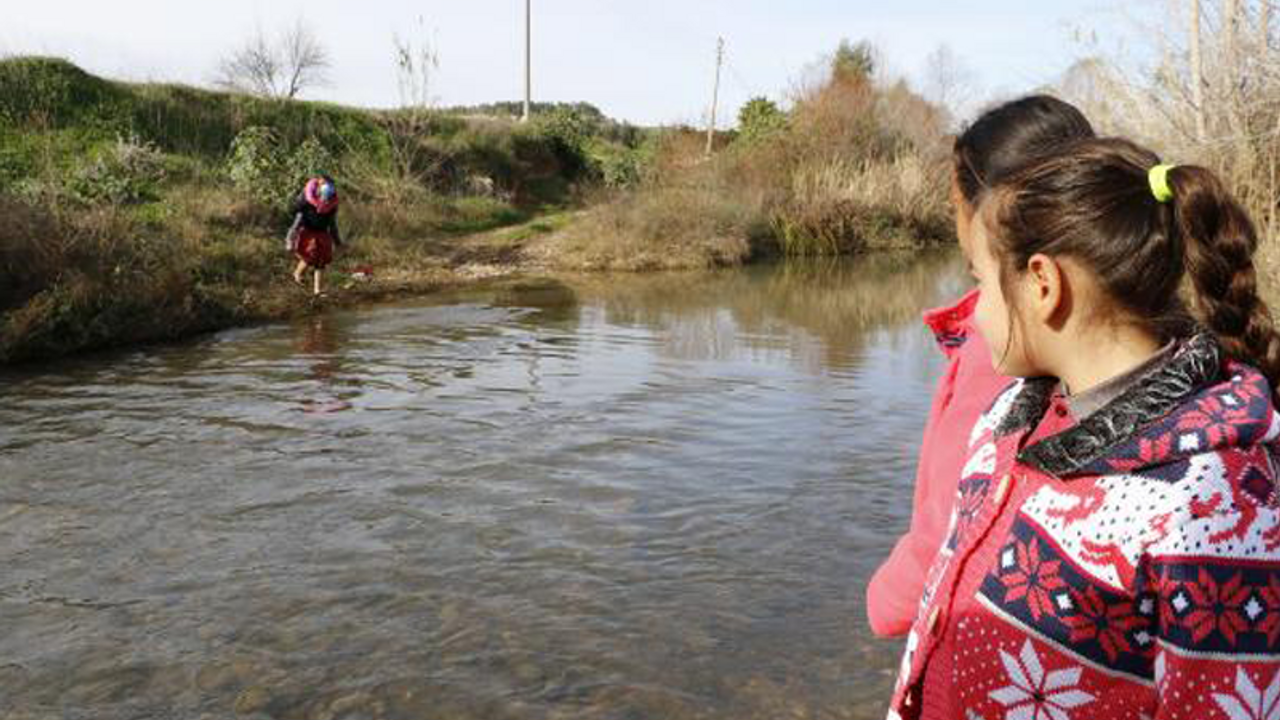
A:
625, 497
318, 343
837, 303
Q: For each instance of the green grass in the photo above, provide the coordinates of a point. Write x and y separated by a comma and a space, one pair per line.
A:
125, 222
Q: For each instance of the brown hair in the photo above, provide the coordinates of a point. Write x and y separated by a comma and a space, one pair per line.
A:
1092, 200
1008, 136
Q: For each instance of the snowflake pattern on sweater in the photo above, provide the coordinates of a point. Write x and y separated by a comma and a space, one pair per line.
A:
1141, 581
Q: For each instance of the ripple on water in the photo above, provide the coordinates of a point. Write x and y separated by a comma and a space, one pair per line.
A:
641, 497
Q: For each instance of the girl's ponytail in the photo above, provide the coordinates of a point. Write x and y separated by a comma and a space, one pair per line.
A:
1141, 228
1220, 241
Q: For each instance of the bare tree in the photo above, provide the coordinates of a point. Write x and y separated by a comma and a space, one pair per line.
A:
1211, 98
293, 63
416, 64
306, 62
253, 68
948, 83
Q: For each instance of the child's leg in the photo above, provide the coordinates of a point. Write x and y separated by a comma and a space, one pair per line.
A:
317, 285
297, 272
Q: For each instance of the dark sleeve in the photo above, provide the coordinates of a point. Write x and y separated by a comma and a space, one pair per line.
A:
333, 228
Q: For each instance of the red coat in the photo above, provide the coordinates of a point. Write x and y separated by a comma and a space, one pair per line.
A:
965, 390
1124, 567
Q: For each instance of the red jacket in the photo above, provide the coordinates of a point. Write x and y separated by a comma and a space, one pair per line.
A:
965, 390
1126, 566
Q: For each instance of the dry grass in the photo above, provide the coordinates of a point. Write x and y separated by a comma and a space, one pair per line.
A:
666, 229
840, 206
858, 168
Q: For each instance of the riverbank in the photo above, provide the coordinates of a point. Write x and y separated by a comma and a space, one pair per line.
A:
148, 212
144, 211
93, 291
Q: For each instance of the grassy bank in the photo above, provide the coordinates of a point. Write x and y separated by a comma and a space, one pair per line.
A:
142, 211
146, 211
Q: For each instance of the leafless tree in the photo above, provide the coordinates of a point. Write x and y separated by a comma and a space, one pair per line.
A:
284, 68
306, 61
948, 83
1210, 95
416, 64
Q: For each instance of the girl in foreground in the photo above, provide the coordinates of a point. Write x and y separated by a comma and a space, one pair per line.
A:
1114, 551
999, 142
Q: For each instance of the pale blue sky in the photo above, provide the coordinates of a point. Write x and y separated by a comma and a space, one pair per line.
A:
649, 62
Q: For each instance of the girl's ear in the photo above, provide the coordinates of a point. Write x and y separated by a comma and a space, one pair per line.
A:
1045, 287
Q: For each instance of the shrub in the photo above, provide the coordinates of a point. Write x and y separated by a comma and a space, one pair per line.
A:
616, 166
853, 167
569, 130
308, 159
129, 171
254, 165
760, 118
268, 174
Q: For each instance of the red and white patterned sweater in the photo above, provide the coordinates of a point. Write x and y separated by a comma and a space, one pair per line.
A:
1127, 566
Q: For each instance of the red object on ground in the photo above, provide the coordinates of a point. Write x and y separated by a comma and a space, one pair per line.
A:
315, 247
966, 389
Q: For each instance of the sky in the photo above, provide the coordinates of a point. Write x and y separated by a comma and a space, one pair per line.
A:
650, 62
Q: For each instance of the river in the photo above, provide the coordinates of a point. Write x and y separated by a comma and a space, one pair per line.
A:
604, 497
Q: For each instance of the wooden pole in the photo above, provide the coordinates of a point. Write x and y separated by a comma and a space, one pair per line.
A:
715, 96
528, 58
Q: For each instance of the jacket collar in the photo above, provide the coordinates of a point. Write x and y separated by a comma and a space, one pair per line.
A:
1156, 395
952, 324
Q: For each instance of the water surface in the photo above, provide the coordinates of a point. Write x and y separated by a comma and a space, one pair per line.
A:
610, 497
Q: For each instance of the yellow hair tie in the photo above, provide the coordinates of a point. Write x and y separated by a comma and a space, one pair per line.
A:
1158, 177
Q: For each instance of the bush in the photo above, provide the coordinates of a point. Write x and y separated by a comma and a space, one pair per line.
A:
853, 167
841, 207
568, 130
616, 166
254, 165
308, 159
130, 171
268, 174
759, 118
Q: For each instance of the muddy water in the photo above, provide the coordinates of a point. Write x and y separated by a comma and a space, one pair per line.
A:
643, 497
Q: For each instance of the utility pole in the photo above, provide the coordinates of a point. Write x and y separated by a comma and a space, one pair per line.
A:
715, 95
528, 58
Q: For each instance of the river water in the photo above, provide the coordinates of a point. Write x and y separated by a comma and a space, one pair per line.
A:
611, 497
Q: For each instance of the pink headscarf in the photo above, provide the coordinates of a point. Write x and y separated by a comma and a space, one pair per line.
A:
312, 194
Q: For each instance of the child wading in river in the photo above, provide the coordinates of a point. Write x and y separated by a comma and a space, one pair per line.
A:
314, 232
1114, 551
